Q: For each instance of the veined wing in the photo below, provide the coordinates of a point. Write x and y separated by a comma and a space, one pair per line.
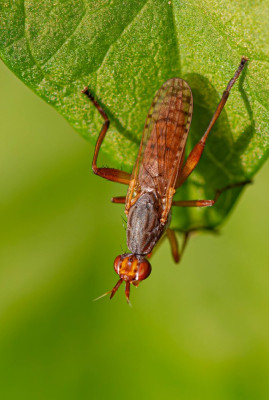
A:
162, 147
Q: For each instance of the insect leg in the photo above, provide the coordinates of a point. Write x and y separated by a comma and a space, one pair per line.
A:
118, 200
111, 174
115, 288
177, 255
127, 292
174, 244
197, 151
193, 203
208, 203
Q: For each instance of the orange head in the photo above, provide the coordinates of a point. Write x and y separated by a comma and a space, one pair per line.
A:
131, 268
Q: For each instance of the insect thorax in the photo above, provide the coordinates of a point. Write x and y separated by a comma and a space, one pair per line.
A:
144, 228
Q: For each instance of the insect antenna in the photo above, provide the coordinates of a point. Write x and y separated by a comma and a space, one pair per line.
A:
111, 292
102, 295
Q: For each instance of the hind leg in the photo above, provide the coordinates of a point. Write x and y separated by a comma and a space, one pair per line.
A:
111, 174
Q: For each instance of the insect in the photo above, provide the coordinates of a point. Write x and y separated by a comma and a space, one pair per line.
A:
158, 172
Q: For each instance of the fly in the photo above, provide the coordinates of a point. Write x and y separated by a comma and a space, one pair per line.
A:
158, 172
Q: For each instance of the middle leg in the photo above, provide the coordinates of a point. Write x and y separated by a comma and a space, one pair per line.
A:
208, 203
119, 199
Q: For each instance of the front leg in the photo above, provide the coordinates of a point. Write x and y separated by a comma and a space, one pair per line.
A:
111, 174
177, 255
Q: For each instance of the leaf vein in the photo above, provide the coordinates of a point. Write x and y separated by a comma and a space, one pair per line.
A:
66, 40
28, 42
120, 35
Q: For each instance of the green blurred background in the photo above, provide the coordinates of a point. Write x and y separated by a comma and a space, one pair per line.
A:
198, 330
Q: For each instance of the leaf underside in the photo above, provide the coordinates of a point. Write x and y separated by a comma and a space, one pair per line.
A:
124, 51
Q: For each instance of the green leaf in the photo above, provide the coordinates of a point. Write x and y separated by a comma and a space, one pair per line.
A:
124, 51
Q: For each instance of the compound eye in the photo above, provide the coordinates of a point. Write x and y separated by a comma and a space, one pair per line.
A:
131, 267
143, 270
117, 264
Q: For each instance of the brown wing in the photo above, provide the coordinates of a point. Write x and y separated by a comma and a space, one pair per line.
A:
163, 142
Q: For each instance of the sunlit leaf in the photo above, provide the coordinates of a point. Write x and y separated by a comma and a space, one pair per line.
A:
124, 51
